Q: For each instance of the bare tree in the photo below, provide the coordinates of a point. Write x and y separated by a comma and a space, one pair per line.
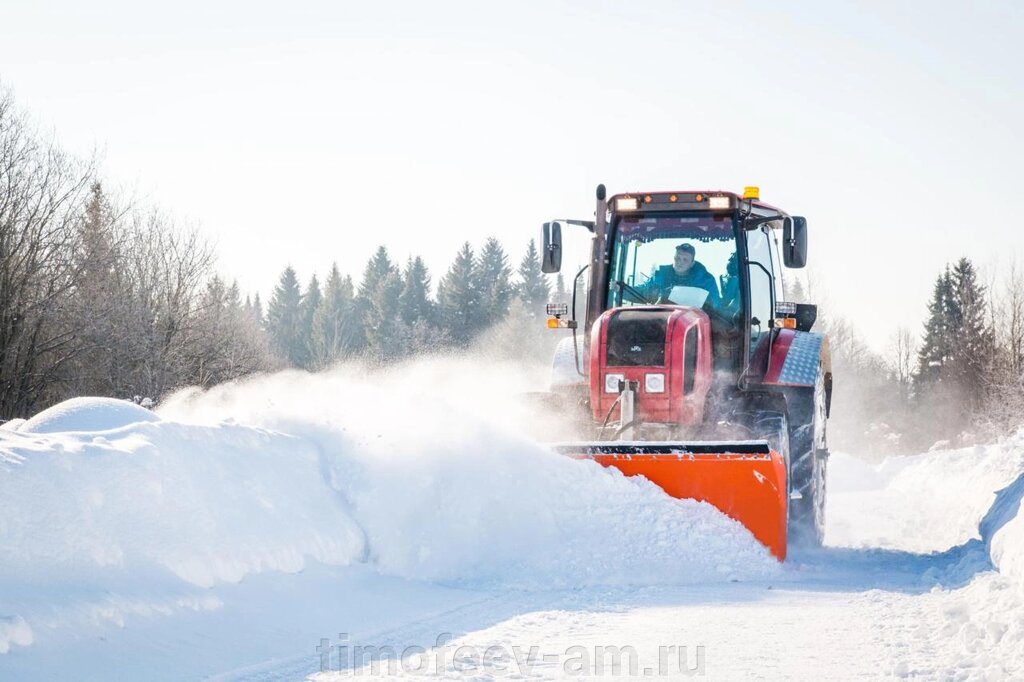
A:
41, 191
902, 355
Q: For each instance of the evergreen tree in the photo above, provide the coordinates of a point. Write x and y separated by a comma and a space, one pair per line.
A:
795, 292
215, 296
457, 298
233, 298
336, 326
257, 310
560, 295
493, 282
937, 343
973, 343
311, 301
414, 303
97, 253
533, 288
371, 302
284, 319
385, 330
377, 269
98, 310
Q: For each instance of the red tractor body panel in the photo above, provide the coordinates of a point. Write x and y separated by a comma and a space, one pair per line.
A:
683, 361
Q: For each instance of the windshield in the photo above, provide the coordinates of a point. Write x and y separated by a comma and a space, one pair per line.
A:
683, 259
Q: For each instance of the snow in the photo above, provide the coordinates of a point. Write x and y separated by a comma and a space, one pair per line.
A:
921, 503
233, 529
87, 415
95, 497
931, 502
1003, 531
457, 495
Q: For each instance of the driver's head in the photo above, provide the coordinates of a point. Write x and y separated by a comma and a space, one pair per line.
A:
684, 259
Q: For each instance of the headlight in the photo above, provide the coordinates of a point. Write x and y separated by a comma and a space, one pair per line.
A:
654, 383
611, 382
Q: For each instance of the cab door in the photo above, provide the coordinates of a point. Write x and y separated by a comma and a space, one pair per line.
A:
761, 283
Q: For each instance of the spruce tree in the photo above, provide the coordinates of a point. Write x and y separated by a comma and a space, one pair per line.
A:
385, 331
98, 305
284, 318
336, 325
215, 297
257, 310
937, 343
560, 295
533, 288
457, 299
493, 282
795, 291
378, 269
414, 303
311, 301
233, 299
97, 254
973, 341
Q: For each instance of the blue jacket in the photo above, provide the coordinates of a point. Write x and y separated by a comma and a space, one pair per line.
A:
660, 286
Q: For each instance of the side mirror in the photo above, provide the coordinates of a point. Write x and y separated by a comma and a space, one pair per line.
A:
794, 242
551, 257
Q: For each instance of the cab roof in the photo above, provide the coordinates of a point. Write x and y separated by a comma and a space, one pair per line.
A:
691, 200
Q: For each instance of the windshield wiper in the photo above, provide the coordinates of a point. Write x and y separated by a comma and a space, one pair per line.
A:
633, 290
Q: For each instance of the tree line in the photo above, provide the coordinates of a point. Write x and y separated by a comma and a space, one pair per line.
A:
108, 297
959, 381
103, 296
393, 313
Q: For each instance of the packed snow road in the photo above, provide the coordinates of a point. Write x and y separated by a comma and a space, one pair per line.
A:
285, 528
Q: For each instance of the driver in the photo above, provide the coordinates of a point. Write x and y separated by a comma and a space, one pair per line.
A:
684, 271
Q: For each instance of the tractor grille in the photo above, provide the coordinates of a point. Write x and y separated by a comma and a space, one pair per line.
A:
636, 338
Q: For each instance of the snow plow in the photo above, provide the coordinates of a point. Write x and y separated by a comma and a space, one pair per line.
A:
688, 367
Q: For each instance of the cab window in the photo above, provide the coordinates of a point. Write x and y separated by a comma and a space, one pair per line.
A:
761, 278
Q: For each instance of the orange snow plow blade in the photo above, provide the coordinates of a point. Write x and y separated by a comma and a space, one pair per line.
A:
746, 480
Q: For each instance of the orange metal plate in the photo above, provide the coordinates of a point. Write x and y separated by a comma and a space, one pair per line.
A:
750, 488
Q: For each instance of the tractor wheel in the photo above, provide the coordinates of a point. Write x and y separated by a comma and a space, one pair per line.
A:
807, 437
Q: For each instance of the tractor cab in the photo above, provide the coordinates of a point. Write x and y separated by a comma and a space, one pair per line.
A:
717, 252
692, 371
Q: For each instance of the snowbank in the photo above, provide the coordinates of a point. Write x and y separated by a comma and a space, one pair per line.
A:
920, 503
1007, 548
207, 504
410, 472
431, 459
1003, 531
87, 414
934, 501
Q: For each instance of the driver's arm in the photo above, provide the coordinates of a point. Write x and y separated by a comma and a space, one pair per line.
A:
651, 290
712, 288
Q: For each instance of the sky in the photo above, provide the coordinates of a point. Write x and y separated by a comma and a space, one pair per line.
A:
305, 133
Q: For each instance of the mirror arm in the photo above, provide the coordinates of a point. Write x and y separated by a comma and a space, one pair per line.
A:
589, 224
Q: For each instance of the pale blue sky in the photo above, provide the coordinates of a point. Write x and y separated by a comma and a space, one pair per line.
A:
308, 132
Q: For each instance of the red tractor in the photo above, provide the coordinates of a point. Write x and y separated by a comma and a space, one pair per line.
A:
692, 369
